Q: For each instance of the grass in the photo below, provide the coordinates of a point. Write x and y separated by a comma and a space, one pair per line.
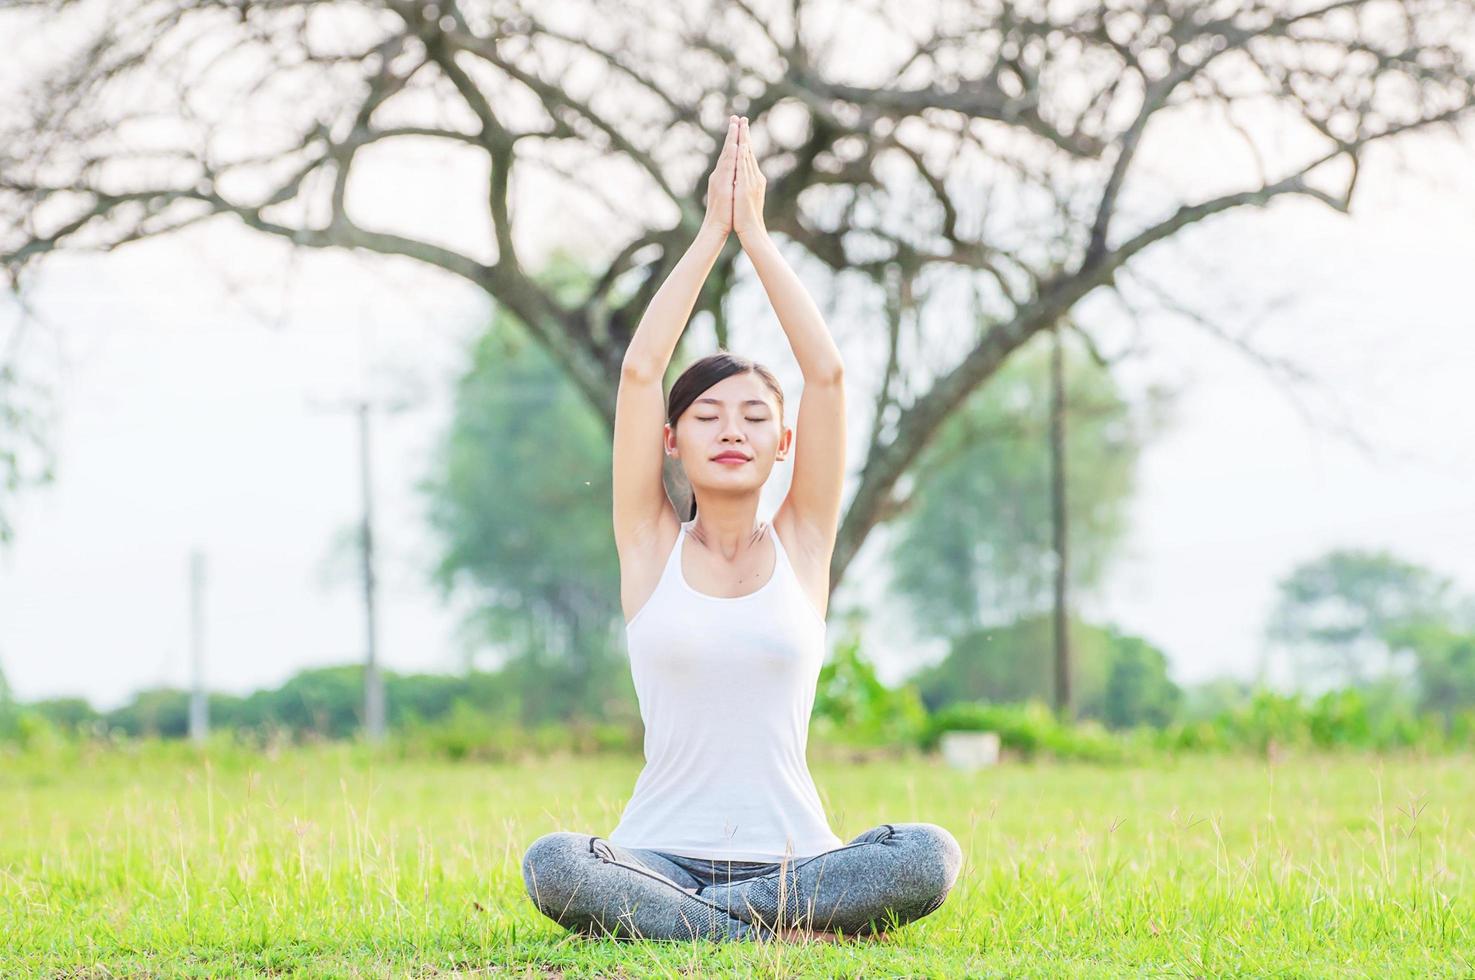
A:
336, 861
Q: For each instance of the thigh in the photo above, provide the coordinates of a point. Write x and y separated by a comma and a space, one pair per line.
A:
657, 862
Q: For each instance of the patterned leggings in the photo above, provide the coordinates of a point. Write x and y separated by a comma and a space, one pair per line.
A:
890, 875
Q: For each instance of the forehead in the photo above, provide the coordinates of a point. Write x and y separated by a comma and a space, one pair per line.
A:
738, 390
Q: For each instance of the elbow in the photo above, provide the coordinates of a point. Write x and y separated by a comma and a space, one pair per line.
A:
636, 369
832, 374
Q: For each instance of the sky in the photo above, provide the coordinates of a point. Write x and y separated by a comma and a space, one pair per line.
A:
199, 380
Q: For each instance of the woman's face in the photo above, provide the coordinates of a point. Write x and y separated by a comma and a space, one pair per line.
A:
736, 417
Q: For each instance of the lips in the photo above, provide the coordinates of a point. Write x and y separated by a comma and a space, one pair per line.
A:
731, 458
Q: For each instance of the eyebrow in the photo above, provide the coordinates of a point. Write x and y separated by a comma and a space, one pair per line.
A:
750, 401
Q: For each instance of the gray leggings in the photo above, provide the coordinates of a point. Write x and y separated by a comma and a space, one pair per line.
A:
888, 876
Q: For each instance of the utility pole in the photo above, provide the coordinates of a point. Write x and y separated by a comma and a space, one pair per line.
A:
373, 680
199, 706
374, 699
1058, 523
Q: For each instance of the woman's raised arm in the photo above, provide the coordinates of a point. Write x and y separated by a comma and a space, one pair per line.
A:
812, 506
640, 405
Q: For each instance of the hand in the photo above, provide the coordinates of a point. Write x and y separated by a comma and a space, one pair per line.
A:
720, 183
747, 202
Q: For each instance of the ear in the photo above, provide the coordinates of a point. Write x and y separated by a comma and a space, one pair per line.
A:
785, 443
668, 439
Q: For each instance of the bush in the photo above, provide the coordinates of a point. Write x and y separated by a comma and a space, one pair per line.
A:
1030, 729
853, 707
466, 733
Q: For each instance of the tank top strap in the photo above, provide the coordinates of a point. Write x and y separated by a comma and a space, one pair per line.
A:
673, 560
778, 545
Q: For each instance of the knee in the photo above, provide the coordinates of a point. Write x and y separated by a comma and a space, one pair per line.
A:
933, 862
551, 869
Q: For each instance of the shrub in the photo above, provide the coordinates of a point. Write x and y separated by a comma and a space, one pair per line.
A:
853, 706
1030, 729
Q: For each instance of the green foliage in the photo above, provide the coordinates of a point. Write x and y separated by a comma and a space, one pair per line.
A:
853, 706
520, 496
1337, 616
33, 732
467, 733
1030, 729
1015, 662
1212, 698
1446, 665
1116, 678
161, 712
1267, 722
471, 711
478, 717
69, 714
1378, 719
973, 543
1138, 689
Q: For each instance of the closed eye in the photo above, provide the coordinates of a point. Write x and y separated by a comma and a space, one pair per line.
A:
713, 418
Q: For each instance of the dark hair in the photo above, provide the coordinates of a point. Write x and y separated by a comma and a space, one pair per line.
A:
703, 374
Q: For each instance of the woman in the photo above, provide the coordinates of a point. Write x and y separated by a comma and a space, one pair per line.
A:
724, 836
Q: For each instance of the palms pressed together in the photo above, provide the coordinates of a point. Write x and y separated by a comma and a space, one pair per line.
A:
736, 185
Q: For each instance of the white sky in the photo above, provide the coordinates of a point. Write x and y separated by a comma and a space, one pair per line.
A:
186, 421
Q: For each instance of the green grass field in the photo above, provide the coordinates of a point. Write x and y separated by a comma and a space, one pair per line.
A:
334, 862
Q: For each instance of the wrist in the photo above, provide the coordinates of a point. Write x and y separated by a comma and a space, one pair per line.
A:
712, 231
753, 236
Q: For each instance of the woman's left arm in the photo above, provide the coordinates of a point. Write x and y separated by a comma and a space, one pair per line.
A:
819, 471
814, 348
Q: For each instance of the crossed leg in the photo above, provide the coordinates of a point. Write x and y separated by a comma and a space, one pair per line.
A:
887, 876
594, 887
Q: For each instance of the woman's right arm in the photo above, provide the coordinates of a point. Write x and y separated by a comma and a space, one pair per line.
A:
640, 405
665, 318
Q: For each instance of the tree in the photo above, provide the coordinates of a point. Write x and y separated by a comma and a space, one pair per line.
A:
68, 714
1336, 616
995, 143
1446, 664
26, 456
974, 547
1138, 689
1118, 678
520, 499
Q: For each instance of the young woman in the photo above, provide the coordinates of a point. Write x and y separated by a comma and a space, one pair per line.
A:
724, 837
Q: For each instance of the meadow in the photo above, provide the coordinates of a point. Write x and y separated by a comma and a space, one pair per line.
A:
340, 860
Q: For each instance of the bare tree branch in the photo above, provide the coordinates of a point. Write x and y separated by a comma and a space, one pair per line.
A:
1000, 142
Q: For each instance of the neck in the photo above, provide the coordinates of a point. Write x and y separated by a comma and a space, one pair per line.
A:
727, 527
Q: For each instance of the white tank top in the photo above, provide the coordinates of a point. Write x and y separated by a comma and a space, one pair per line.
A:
726, 686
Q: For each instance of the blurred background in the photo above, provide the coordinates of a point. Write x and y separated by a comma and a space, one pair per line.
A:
1155, 318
